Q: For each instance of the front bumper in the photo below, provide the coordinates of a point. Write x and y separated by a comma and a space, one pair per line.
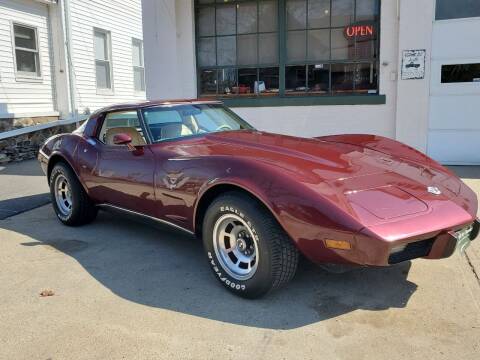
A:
371, 251
438, 247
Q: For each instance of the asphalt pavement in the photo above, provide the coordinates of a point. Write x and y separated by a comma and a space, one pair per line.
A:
118, 289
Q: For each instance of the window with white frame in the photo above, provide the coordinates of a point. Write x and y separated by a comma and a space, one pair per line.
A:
26, 50
138, 66
103, 59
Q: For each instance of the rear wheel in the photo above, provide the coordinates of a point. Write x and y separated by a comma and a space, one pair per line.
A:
70, 201
247, 249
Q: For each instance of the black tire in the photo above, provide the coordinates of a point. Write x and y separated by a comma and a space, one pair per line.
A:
278, 257
83, 210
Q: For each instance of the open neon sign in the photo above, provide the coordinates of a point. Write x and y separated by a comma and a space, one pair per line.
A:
363, 31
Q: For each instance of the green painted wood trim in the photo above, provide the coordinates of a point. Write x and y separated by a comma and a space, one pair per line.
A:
306, 101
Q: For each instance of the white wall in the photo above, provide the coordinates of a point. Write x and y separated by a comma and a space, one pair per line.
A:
416, 18
170, 54
124, 20
22, 96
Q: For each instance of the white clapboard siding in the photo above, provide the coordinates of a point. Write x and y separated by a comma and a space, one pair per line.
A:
23, 96
124, 21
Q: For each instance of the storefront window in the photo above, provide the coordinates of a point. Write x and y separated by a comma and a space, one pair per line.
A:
256, 48
449, 9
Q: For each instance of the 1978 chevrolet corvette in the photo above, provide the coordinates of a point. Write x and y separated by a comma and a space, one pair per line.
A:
258, 199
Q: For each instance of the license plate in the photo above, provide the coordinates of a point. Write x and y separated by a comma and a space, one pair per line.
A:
463, 238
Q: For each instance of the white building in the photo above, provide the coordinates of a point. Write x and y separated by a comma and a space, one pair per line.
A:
59, 58
406, 69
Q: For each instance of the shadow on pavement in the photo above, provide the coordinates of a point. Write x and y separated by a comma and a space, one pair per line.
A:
22, 168
11, 207
164, 269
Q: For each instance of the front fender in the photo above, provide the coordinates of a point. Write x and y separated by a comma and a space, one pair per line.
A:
306, 216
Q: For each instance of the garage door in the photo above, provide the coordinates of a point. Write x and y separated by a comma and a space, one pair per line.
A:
454, 124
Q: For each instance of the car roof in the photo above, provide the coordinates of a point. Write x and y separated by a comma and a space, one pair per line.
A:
144, 104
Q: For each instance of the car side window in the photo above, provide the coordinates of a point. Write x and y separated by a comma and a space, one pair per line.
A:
122, 122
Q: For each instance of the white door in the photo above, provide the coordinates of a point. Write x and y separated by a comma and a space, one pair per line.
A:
454, 124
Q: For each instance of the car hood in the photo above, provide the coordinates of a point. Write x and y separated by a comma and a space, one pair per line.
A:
370, 185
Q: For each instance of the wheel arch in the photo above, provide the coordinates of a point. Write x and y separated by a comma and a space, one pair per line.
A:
214, 191
57, 158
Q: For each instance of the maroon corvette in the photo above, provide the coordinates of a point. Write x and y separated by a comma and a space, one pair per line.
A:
257, 199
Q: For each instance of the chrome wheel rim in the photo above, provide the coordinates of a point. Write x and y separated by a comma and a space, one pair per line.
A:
63, 195
235, 246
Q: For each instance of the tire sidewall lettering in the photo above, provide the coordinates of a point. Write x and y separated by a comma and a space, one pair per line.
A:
223, 278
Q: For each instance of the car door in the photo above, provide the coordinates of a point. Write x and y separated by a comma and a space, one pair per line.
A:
123, 176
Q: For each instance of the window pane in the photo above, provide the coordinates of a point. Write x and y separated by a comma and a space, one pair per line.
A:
26, 61
139, 79
449, 9
206, 52
342, 49
366, 78
206, 21
101, 52
246, 18
208, 82
295, 79
268, 13
296, 46
137, 53
226, 50
318, 44
103, 74
246, 81
342, 12
227, 81
296, 14
366, 49
268, 48
342, 78
459, 73
367, 10
270, 79
318, 13
318, 78
225, 20
24, 37
247, 49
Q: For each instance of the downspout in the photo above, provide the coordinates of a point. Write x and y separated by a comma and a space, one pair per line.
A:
71, 73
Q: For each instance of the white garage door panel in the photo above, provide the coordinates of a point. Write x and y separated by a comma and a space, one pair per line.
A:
454, 120
455, 38
454, 147
455, 112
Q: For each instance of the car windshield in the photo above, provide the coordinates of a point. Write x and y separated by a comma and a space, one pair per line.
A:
170, 122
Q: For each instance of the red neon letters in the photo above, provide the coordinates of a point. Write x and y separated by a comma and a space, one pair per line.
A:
359, 31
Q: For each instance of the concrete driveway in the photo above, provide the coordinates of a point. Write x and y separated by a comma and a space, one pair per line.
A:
122, 290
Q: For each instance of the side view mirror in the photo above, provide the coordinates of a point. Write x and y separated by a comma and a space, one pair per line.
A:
122, 139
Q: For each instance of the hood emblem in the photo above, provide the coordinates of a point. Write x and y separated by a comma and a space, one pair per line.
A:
434, 190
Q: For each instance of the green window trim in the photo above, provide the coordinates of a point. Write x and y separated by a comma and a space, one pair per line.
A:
268, 101
297, 99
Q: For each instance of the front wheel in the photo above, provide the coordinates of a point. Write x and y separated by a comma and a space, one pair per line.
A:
70, 201
248, 251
